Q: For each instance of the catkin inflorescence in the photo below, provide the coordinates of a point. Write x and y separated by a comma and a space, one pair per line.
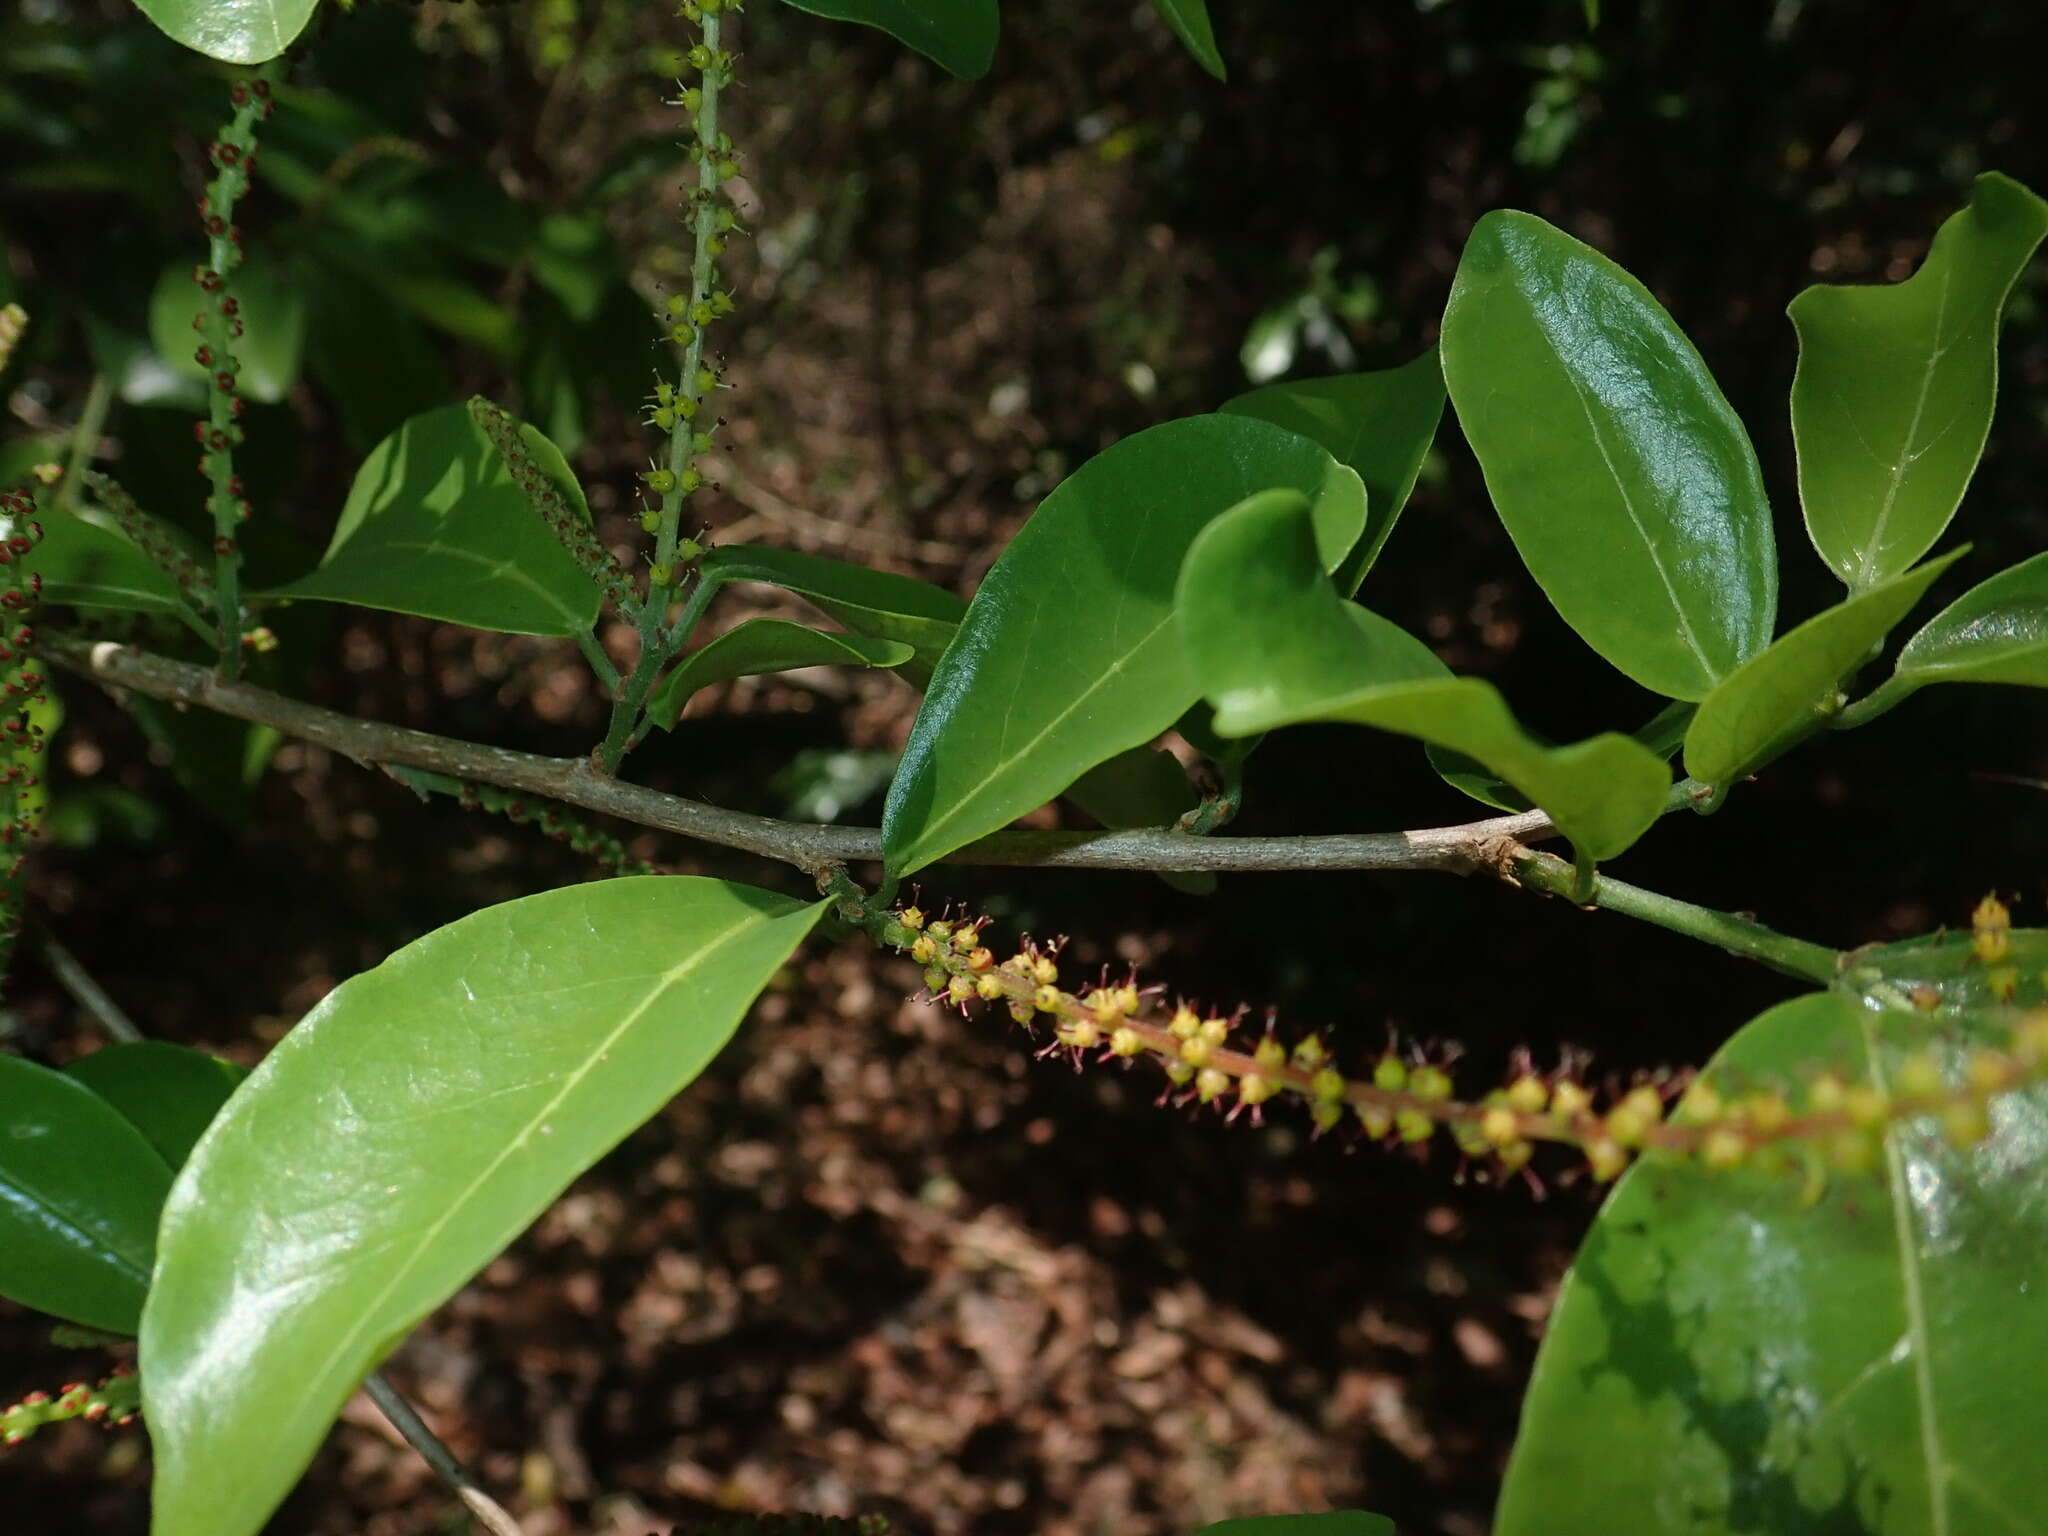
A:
21, 697
1407, 1097
113, 1402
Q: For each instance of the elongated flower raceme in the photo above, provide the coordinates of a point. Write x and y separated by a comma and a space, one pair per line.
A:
1407, 1097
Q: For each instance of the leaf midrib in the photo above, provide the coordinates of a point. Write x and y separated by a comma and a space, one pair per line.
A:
1914, 1301
520, 1140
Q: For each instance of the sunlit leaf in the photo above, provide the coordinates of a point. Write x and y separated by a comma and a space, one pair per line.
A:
1730, 1355
238, 31
1274, 644
1892, 400
1997, 632
1775, 698
1068, 654
399, 1137
435, 526
1379, 424
1624, 478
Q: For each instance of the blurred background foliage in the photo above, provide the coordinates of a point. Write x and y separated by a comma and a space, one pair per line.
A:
955, 293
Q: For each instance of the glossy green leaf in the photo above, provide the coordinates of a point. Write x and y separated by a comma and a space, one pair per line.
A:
399, 1137
79, 1194
1730, 1358
273, 315
435, 526
1778, 697
168, 1092
1190, 22
1068, 654
1349, 1522
238, 31
1997, 632
1663, 734
958, 35
1892, 400
85, 565
1275, 645
1380, 424
1622, 475
870, 602
765, 645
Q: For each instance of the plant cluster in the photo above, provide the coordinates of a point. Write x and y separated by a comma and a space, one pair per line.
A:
270, 1238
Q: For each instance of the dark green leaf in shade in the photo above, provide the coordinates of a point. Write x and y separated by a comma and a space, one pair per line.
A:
1349, 1522
79, 1194
237, 31
85, 565
435, 526
1068, 654
168, 1092
272, 309
1662, 734
1892, 400
1144, 787
1730, 1357
1190, 22
410, 1126
373, 359
1997, 632
871, 602
1380, 424
765, 645
1775, 699
1626, 482
1275, 645
958, 35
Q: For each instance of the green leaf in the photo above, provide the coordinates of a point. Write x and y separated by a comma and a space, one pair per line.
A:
765, 645
238, 31
1662, 734
1068, 655
85, 565
1379, 424
1777, 698
273, 315
1190, 22
1728, 1356
870, 602
170, 1093
1349, 1522
1622, 475
1275, 645
378, 375
1997, 632
957, 35
435, 526
79, 1194
1892, 400
399, 1137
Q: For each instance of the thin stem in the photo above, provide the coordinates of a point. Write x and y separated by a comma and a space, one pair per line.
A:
86, 992
85, 438
601, 664
1486, 847
1887, 696
1737, 935
406, 1420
